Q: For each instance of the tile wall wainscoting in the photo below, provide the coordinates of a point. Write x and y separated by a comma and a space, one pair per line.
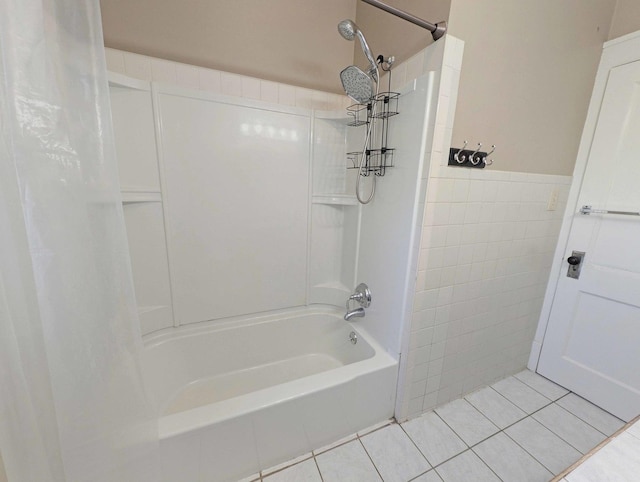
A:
487, 244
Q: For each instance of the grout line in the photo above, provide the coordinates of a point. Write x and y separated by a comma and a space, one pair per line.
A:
570, 413
470, 447
508, 401
368, 455
499, 431
416, 446
533, 388
486, 464
286, 466
423, 473
578, 416
594, 450
318, 467
529, 453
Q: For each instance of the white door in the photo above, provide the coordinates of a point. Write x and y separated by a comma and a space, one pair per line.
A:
592, 342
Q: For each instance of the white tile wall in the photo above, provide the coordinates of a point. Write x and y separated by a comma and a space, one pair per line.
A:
153, 69
485, 255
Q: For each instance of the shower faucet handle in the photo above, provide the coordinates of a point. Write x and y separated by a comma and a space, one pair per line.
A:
362, 295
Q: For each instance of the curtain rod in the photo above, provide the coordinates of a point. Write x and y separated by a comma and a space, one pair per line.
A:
437, 30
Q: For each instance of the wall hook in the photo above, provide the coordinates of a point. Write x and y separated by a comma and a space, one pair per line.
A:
459, 156
472, 157
488, 162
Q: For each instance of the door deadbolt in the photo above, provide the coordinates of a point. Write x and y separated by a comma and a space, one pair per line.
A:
575, 264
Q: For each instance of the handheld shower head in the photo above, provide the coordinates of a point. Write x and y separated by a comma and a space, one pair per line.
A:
349, 31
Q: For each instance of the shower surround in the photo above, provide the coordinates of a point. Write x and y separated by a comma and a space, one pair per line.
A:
460, 308
245, 192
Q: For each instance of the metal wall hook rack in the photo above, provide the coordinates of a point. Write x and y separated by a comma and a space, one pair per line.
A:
463, 157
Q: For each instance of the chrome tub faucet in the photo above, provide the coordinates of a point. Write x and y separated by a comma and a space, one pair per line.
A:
362, 295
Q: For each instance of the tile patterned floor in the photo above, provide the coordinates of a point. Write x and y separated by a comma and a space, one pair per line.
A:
523, 428
618, 460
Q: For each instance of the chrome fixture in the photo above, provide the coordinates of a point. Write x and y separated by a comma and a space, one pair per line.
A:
357, 313
358, 84
349, 31
362, 295
437, 30
353, 338
589, 210
575, 264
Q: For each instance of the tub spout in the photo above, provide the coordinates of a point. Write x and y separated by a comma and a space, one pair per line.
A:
357, 313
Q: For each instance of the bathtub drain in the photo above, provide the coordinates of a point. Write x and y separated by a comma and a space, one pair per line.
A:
353, 337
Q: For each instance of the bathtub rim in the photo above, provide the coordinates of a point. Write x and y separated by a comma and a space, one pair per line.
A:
175, 332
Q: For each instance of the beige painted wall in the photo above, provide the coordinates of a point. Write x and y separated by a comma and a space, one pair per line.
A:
290, 41
388, 35
527, 76
626, 18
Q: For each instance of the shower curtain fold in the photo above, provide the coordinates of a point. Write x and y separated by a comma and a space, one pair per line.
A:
72, 403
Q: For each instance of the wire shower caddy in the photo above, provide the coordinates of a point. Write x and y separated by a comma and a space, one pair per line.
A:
378, 154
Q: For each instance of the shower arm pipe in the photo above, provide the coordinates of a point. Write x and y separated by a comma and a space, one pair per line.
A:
437, 30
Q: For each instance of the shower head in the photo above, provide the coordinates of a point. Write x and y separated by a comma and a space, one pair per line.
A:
357, 84
349, 31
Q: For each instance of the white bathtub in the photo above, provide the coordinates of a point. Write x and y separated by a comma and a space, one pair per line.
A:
240, 397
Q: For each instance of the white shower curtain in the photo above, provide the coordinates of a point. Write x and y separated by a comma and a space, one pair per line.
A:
72, 404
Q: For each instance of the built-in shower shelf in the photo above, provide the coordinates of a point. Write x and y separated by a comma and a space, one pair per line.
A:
336, 199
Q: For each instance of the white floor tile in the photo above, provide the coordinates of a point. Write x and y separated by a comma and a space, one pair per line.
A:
466, 467
510, 461
394, 454
495, 407
304, 471
619, 460
434, 438
594, 416
546, 447
348, 462
523, 396
540, 384
470, 425
430, 476
570, 428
